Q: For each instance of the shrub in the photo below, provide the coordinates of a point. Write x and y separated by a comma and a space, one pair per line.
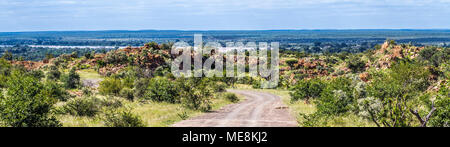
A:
336, 98
127, 93
122, 118
53, 73
5, 68
195, 93
72, 80
231, 97
139, 87
111, 102
161, 89
291, 62
82, 106
110, 86
38, 74
55, 91
27, 103
86, 91
427, 53
218, 86
356, 64
307, 89
392, 96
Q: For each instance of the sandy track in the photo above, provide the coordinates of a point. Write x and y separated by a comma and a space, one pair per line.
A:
258, 110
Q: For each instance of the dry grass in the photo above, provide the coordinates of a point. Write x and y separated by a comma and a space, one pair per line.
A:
89, 74
154, 114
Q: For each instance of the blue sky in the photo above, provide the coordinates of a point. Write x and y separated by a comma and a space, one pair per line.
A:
45, 15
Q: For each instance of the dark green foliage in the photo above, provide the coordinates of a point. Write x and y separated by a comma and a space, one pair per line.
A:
441, 117
122, 118
427, 53
391, 95
291, 62
7, 56
5, 68
86, 91
115, 58
38, 74
53, 73
127, 93
43, 53
195, 93
356, 64
111, 102
231, 97
336, 98
55, 91
72, 80
307, 89
139, 87
85, 106
434, 56
161, 89
27, 103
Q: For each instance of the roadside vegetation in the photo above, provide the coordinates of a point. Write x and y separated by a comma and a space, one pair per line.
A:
392, 85
128, 88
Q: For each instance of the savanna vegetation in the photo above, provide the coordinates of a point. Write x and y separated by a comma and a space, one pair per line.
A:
388, 85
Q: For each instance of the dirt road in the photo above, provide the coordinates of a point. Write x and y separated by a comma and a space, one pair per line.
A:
258, 110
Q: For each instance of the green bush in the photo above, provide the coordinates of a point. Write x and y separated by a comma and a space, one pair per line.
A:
231, 97
110, 86
111, 102
139, 87
161, 89
86, 91
307, 89
195, 93
291, 62
38, 74
356, 64
55, 91
394, 94
218, 86
127, 93
89, 106
5, 68
27, 103
337, 97
53, 73
72, 80
122, 118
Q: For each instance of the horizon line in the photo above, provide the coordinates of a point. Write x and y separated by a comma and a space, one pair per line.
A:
210, 30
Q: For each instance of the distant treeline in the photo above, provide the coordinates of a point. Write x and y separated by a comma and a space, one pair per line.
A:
24, 52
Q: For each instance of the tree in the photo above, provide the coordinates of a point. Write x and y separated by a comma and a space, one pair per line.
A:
392, 96
27, 103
